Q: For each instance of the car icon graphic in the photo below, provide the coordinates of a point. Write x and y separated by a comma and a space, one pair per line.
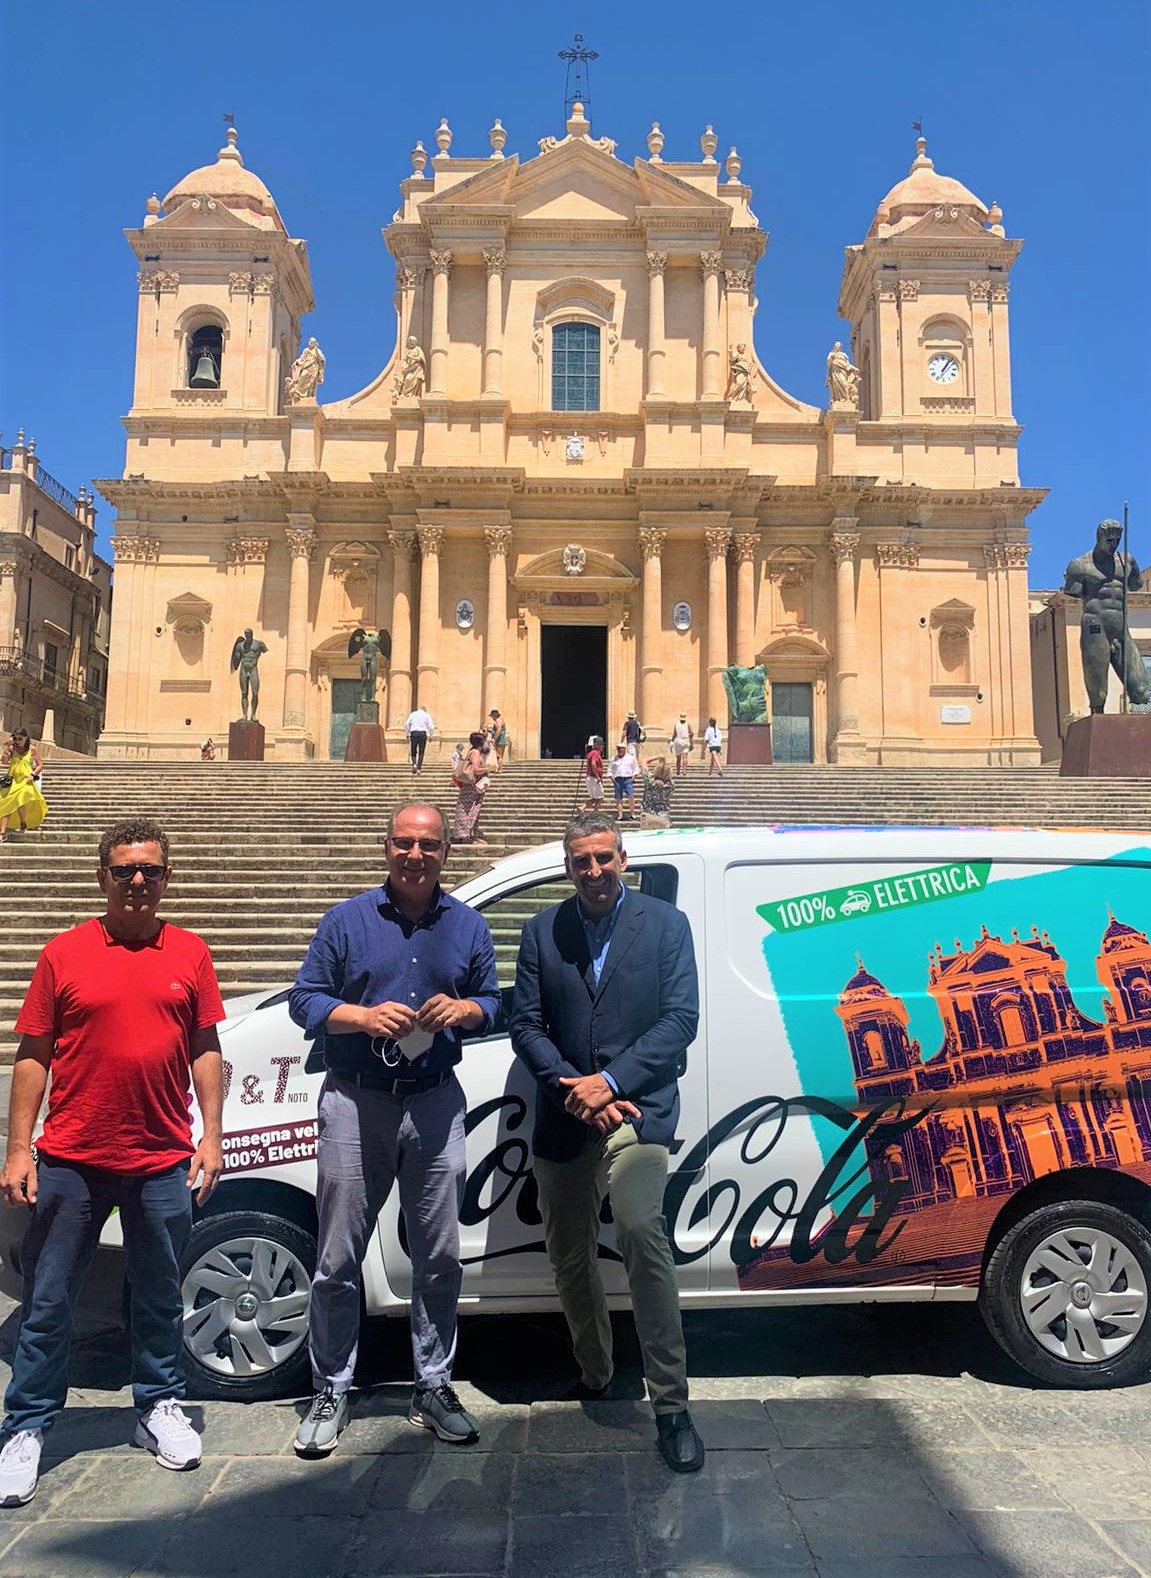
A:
856, 903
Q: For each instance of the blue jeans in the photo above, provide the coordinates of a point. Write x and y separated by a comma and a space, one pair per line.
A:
72, 1204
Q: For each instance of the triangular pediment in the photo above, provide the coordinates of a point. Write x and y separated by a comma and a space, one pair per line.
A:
195, 213
989, 961
945, 223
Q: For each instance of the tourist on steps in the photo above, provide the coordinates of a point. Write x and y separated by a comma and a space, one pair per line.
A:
713, 743
419, 729
497, 732
593, 774
472, 781
20, 796
682, 740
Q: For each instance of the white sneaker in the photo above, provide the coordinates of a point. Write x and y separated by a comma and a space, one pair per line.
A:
166, 1431
20, 1467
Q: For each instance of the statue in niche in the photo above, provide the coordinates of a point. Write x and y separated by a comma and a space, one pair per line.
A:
746, 693
1104, 639
842, 377
741, 374
413, 373
306, 375
246, 655
371, 649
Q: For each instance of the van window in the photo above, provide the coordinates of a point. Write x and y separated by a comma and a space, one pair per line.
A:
507, 914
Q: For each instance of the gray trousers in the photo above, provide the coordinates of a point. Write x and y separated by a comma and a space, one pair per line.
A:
368, 1140
570, 1195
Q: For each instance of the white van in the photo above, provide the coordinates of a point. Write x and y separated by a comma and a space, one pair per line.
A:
923, 1071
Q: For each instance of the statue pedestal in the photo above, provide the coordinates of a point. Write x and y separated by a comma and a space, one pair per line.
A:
366, 740
246, 740
1108, 745
367, 712
749, 745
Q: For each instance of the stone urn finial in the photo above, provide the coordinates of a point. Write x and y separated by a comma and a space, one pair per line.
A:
709, 142
655, 140
497, 137
443, 136
733, 164
419, 157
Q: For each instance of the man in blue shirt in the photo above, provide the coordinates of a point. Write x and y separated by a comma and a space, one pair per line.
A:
391, 981
606, 1005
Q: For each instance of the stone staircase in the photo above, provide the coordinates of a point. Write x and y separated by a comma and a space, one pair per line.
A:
261, 850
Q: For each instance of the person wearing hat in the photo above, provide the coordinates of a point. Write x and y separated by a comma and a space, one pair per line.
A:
631, 735
682, 740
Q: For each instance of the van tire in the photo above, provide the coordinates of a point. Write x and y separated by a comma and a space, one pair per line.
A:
1114, 1248
227, 1353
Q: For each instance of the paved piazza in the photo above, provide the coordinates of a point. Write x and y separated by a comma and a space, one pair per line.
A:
828, 1452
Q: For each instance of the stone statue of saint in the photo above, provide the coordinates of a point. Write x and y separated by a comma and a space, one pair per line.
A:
842, 377
1104, 640
741, 375
746, 693
413, 371
246, 655
371, 648
307, 374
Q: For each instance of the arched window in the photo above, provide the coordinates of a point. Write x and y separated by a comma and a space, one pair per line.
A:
205, 357
575, 367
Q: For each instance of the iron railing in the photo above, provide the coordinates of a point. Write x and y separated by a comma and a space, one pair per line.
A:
14, 660
56, 491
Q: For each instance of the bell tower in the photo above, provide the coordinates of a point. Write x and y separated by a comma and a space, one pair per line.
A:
222, 291
926, 296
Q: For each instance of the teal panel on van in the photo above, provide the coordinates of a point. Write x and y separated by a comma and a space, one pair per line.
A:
893, 974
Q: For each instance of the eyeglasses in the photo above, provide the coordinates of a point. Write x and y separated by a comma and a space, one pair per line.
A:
125, 874
426, 846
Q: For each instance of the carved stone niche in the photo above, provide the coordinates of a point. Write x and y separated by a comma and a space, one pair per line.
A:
188, 617
353, 561
953, 666
790, 572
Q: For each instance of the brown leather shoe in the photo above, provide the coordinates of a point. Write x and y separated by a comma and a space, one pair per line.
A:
679, 1442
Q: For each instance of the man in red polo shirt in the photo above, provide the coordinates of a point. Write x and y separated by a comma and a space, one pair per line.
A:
122, 1009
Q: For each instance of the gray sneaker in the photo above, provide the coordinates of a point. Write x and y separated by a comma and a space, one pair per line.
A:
438, 1408
320, 1428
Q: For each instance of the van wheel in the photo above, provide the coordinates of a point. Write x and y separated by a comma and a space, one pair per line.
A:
246, 1281
1065, 1292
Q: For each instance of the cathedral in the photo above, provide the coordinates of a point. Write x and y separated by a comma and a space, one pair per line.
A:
573, 490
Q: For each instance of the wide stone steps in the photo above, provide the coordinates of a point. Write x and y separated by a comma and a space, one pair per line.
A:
262, 851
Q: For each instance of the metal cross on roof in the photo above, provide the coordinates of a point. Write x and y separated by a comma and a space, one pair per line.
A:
577, 83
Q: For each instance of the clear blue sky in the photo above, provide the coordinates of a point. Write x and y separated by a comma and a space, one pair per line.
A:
1041, 105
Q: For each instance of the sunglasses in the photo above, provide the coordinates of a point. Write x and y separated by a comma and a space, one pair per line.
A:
426, 846
125, 874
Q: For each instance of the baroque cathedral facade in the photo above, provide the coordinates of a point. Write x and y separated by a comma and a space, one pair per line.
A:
573, 490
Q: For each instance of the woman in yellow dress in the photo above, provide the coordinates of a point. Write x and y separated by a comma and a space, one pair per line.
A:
22, 797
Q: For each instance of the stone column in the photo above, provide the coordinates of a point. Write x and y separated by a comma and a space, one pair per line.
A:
301, 535
651, 543
428, 657
438, 372
848, 741
9, 569
717, 542
656, 329
495, 259
744, 546
499, 541
400, 673
710, 264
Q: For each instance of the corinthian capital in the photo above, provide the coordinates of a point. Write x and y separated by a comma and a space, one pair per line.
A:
718, 541
499, 541
743, 546
651, 541
301, 541
431, 539
402, 543
844, 546
710, 263
495, 258
441, 261
656, 263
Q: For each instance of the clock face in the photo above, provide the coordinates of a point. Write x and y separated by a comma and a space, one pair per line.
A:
943, 369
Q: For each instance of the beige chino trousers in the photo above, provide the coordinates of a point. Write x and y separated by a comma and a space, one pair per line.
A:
570, 1194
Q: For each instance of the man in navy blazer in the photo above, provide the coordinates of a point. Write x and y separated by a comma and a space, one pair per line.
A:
606, 1005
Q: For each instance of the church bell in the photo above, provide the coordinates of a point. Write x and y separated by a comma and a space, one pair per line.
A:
205, 376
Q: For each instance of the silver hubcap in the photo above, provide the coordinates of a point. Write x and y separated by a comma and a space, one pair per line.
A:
245, 1307
1084, 1295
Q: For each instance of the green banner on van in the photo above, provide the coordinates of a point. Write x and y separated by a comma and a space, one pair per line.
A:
876, 898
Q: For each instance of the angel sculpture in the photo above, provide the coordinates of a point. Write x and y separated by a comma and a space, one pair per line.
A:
246, 655
371, 648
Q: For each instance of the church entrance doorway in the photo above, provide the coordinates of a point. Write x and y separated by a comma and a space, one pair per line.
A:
345, 694
573, 687
791, 720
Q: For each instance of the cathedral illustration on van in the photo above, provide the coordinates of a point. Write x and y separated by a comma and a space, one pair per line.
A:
573, 488
1024, 1083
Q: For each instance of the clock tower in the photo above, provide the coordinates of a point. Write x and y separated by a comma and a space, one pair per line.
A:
926, 295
